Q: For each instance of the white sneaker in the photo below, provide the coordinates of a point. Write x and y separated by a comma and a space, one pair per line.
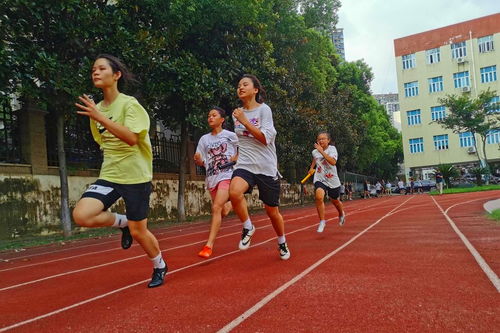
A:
284, 251
246, 237
321, 226
341, 220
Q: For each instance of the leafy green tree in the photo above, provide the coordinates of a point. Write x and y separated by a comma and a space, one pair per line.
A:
475, 115
448, 171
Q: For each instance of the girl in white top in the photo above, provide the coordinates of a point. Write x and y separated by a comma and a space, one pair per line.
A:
257, 162
326, 179
216, 150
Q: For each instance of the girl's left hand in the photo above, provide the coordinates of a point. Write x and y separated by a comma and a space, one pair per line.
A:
89, 109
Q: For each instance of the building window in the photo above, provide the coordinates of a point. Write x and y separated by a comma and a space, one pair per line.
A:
461, 79
466, 139
411, 89
414, 117
435, 84
440, 142
438, 112
488, 74
458, 50
493, 136
433, 56
409, 61
417, 145
485, 44
494, 104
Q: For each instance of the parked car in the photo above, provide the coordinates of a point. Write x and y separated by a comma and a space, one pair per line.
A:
428, 185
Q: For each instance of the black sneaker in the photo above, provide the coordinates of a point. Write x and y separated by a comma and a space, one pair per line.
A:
126, 238
158, 277
284, 251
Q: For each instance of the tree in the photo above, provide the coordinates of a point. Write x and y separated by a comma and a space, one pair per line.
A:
448, 171
474, 115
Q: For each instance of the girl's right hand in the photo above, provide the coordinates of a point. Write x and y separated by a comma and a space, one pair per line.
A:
197, 159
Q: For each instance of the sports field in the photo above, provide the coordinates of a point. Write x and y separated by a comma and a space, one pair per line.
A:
400, 264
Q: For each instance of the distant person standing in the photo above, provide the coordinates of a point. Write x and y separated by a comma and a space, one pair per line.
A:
439, 181
388, 188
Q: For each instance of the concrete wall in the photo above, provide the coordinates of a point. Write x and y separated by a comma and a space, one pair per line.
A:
31, 203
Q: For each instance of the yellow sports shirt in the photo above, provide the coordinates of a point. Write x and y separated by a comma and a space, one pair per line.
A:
124, 164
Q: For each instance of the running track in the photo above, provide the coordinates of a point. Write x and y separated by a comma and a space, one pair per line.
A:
399, 264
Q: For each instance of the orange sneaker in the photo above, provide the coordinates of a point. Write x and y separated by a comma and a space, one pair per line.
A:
205, 252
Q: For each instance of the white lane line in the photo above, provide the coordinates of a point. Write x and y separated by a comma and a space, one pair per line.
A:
482, 263
69, 307
126, 259
298, 277
72, 306
120, 249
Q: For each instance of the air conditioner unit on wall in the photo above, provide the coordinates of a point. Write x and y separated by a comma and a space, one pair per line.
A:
471, 150
465, 89
461, 60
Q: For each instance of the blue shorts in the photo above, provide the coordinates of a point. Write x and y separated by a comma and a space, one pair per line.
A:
136, 197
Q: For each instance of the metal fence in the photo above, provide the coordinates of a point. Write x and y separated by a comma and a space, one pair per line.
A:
82, 152
10, 145
166, 153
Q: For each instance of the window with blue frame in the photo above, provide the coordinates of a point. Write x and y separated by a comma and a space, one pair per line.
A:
485, 44
493, 136
436, 84
440, 141
416, 145
488, 74
433, 56
495, 105
466, 139
411, 89
438, 112
458, 50
461, 79
414, 117
409, 61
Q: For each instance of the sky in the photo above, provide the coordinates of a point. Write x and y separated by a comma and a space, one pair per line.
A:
370, 27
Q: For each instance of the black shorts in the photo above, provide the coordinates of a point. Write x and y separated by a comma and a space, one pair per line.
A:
333, 193
136, 197
269, 187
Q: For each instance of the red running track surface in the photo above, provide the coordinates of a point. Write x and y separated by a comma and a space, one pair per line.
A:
397, 265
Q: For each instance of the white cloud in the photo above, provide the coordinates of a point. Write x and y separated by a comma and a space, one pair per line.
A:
370, 27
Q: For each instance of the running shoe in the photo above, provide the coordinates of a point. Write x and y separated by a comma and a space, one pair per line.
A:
246, 236
284, 251
321, 226
158, 277
205, 252
341, 220
126, 238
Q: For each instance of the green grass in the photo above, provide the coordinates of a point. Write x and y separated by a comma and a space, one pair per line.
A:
495, 215
467, 189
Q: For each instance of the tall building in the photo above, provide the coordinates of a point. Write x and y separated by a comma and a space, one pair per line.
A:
462, 58
338, 41
390, 102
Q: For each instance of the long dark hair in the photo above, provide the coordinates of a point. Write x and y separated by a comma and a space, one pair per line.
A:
222, 113
118, 66
261, 95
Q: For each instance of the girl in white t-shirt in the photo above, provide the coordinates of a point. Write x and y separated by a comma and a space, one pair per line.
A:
257, 162
216, 150
326, 179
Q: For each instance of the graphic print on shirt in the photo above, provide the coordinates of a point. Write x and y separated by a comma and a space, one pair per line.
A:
326, 166
238, 127
216, 157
